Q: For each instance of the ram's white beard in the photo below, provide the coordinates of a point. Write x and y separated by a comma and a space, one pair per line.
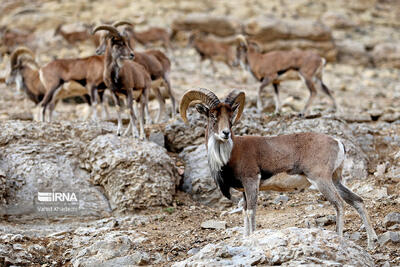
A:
219, 153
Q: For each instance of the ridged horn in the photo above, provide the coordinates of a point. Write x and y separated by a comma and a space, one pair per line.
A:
240, 39
112, 30
122, 22
236, 97
19, 51
204, 95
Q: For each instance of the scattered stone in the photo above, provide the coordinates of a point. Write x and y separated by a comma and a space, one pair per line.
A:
115, 248
394, 227
389, 236
326, 220
355, 236
213, 224
193, 251
391, 219
281, 199
287, 247
309, 223
158, 138
380, 170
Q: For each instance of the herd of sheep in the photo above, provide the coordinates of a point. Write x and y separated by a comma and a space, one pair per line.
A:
246, 163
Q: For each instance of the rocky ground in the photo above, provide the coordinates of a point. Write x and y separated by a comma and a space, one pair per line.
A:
154, 202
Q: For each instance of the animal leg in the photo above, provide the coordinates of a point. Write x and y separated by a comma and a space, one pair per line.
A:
104, 106
48, 98
51, 110
246, 223
264, 83
356, 202
251, 191
117, 102
94, 98
171, 96
146, 108
276, 98
142, 135
132, 121
313, 93
326, 90
327, 188
161, 108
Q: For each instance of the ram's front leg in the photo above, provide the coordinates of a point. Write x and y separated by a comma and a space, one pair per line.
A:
251, 193
246, 223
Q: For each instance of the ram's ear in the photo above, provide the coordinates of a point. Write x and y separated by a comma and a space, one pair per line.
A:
202, 109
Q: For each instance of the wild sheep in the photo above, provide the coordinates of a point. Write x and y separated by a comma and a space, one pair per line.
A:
156, 64
151, 35
249, 163
73, 36
123, 76
24, 71
267, 67
86, 71
213, 50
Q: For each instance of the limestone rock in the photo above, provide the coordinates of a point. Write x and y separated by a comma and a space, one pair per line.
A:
116, 248
391, 219
41, 157
135, 174
352, 52
84, 159
387, 237
387, 55
337, 20
180, 135
213, 224
217, 25
278, 34
288, 247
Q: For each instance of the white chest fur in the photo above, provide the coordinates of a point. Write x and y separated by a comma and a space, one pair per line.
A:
219, 153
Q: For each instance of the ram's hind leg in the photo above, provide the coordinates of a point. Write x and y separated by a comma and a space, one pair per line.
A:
355, 201
326, 187
326, 90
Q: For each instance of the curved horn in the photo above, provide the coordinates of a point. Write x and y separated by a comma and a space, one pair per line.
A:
112, 30
240, 39
202, 94
236, 97
122, 22
19, 51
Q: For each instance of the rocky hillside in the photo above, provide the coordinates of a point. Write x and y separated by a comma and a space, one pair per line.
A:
154, 202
